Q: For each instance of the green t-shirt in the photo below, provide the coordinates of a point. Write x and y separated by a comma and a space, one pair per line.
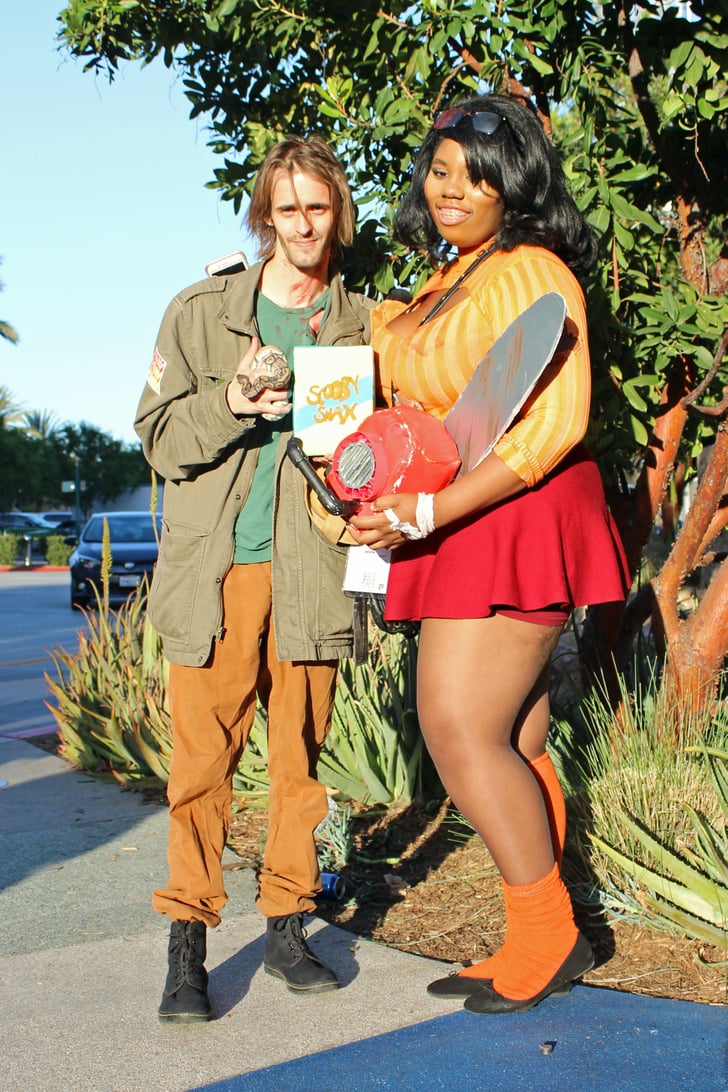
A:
285, 327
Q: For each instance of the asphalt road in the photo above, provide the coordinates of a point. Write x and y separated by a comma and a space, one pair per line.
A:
35, 618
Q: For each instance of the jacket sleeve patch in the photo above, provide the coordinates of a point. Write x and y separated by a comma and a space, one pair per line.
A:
156, 371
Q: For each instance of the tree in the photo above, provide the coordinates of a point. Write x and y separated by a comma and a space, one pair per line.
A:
37, 455
40, 423
10, 410
6, 330
635, 97
107, 466
25, 466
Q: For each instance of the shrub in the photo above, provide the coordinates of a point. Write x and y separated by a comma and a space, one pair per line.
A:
57, 551
112, 715
648, 806
9, 548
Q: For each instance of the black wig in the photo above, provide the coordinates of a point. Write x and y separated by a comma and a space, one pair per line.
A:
520, 162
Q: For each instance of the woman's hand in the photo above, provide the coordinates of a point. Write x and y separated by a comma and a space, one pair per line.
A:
376, 530
489, 483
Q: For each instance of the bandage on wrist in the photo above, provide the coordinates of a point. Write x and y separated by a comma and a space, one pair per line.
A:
425, 513
424, 518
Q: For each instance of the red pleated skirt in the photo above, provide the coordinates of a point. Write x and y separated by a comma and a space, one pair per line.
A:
554, 546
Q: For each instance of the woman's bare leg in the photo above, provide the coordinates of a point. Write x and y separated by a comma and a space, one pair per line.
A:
482, 694
483, 706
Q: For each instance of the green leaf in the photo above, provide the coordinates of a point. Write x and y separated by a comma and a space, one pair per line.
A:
633, 397
639, 431
693, 891
630, 212
706, 109
329, 110
625, 237
672, 105
599, 219
680, 54
542, 66
638, 173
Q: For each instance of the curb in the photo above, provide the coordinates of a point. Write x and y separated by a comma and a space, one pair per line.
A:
34, 568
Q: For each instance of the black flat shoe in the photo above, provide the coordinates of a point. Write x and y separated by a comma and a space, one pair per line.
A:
457, 985
579, 960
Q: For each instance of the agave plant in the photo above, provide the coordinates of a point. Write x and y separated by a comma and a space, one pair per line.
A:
334, 837
112, 714
110, 696
375, 752
688, 891
251, 777
647, 813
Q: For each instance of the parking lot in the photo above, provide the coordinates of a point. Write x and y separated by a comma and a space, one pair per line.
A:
36, 618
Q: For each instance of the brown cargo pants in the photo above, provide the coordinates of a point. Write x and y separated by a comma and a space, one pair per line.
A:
212, 710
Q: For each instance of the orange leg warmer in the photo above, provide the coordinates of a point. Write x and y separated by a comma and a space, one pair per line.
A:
553, 797
545, 774
541, 935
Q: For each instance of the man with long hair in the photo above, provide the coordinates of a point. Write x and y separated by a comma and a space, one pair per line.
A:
247, 593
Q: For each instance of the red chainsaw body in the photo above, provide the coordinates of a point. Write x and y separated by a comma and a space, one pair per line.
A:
398, 450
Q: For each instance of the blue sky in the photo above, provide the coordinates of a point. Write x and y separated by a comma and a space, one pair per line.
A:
103, 218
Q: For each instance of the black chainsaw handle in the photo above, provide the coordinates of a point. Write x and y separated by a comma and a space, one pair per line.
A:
329, 500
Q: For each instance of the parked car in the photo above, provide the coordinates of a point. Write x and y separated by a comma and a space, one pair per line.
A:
23, 523
133, 547
63, 523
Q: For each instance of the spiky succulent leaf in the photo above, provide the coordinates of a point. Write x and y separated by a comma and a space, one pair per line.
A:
697, 895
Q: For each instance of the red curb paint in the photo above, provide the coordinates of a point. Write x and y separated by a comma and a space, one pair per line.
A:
33, 568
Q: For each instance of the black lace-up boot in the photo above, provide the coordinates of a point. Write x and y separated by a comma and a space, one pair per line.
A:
288, 956
185, 991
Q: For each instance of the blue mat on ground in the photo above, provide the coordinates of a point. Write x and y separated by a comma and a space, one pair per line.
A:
596, 1039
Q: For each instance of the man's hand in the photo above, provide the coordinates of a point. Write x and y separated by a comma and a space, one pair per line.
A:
272, 404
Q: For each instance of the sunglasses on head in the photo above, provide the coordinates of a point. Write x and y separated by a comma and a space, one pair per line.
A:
484, 121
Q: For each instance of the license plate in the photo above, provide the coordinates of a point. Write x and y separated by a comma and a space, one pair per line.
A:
129, 581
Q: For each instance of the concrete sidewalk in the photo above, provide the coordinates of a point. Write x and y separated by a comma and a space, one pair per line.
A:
83, 956
82, 964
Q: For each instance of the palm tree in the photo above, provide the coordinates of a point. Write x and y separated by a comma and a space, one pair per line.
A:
6, 330
40, 424
10, 411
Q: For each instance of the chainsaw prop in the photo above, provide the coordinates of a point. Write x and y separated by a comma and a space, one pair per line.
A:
399, 450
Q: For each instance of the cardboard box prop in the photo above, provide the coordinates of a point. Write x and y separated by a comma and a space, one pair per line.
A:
333, 392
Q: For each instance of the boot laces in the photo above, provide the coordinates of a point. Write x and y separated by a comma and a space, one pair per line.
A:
186, 960
296, 937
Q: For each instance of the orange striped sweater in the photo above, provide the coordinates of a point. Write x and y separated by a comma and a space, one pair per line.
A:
433, 364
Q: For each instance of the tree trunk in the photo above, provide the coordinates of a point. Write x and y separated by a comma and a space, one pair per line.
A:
696, 646
635, 516
603, 639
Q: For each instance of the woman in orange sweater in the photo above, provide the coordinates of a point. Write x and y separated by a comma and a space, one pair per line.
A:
493, 564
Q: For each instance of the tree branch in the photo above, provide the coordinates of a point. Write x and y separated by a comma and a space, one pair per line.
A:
686, 552
691, 399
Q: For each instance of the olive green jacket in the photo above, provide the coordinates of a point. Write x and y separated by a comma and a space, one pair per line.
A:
206, 456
